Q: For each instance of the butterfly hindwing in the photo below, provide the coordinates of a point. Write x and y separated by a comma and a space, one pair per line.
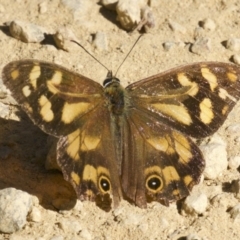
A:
166, 163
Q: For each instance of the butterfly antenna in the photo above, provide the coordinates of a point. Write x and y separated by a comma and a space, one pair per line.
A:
128, 54
90, 54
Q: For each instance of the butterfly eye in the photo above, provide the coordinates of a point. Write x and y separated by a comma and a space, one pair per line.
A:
154, 183
104, 184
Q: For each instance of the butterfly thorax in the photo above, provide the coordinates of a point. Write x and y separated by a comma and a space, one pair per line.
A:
115, 97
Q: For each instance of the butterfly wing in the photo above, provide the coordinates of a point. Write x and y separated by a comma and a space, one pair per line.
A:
194, 99
160, 162
71, 107
53, 97
165, 164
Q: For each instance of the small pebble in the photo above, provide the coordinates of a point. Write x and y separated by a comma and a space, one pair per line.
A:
235, 212
234, 128
234, 162
14, 207
26, 32
63, 39
168, 45
193, 237
176, 27
70, 226
233, 44
85, 234
42, 7
129, 13
215, 154
236, 58
35, 215
196, 203
101, 41
208, 24
201, 45
110, 4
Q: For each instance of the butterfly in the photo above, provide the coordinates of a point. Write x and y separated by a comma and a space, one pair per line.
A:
129, 143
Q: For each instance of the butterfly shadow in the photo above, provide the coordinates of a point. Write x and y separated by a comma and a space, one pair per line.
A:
23, 152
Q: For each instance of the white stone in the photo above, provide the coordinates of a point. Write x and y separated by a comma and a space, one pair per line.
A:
63, 38
14, 207
208, 24
70, 225
43, 7
35, 215
85, 234
201, 45
129, 12
215, 155
236, 58
196, 203
110, 4
193, 236
176, 27
235, 212
101, 41
234, 162
233, 44
26, 32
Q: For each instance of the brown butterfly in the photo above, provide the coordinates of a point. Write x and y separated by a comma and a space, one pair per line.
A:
131, 142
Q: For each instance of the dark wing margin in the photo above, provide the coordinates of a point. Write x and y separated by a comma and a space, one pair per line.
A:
194, 99
53, 97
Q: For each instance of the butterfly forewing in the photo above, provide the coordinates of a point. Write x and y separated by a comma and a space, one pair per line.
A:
194, 99
54, 97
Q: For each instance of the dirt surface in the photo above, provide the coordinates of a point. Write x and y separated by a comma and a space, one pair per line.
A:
26, 146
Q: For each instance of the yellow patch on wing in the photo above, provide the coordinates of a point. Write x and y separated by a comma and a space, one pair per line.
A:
27, 107
187, 180
26, 91
225, 109
170, 174
210, 77
232, 76
163, 144
224, 94
177, 112
46, 111
89, 142
206, 114
159, 143
74, 145
34, 75
56, 78
75, 178
153, 170
90, 174
15, 74
185, 81
183, 148
71, 110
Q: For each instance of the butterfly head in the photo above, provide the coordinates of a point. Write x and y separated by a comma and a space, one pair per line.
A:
110, 79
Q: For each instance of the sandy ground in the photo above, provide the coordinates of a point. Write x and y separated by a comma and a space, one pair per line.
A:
24, 167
